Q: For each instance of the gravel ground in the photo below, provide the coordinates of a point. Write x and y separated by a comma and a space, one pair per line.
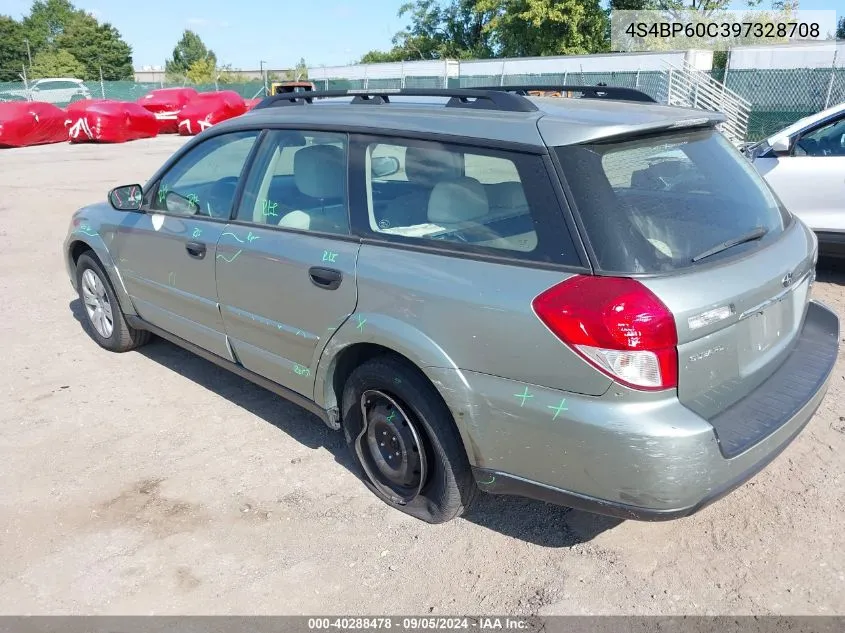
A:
153, 482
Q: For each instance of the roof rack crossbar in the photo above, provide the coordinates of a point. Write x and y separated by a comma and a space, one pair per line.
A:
587, 92
482, 99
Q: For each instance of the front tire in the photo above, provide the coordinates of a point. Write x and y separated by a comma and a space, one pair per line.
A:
104, 318
404, 440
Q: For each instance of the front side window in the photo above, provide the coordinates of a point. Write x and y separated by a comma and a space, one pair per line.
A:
660, 203
477, 200
204, 181
825, 141
299, 182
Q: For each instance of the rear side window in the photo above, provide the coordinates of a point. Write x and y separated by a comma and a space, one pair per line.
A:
477, 200
656, 204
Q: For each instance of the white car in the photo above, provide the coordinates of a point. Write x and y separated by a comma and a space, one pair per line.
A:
805, 165
56, 90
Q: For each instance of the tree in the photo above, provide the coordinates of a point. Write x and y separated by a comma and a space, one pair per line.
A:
528, 28
46, 21
188, 50
438, 30
97, 46
12, 49
704, 7
478, 29
630, 5
202, 71
379, 57
840, 29
227, 75
59, 63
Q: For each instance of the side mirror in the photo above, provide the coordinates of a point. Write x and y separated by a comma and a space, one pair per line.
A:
781, 146
126, 198
382, 166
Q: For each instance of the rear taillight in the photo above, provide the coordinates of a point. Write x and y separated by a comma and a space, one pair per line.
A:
618, 325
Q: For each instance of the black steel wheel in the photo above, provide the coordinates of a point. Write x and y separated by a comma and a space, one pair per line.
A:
403, 438
390, 448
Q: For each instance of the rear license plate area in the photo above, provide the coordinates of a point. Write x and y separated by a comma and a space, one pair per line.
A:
766, 333
767, 327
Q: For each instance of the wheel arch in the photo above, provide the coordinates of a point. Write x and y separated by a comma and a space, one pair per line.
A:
94, 244
351, 346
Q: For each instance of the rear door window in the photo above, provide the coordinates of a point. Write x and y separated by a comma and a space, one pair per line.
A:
453, 197
663, 202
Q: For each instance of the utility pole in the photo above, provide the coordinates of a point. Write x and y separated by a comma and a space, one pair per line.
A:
28, 52
102, 85
264, 76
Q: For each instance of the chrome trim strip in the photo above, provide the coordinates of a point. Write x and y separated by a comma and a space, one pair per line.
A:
776, 299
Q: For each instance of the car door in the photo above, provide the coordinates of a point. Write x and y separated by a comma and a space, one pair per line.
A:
286, 264
167, 253
811, 179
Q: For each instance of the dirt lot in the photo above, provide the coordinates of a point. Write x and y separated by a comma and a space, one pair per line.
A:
153, 482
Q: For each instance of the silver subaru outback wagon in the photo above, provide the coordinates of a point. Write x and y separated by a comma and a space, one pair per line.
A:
594, 301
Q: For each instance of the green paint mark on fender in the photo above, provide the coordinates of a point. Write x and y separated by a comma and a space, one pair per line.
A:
524, 395
300, 370
561, 407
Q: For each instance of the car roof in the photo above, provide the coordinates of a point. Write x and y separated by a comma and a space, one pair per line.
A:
556, 121
800, 124
71, 79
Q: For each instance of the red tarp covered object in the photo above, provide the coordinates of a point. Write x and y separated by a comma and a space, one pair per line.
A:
25, 123
165, 104
209, 108
76, 110
79, 106
112, 122
251, 103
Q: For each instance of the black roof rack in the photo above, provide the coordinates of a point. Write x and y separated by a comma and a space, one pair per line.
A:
481, 99
587, 92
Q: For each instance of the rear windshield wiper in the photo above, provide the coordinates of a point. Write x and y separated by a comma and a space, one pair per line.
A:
751, 236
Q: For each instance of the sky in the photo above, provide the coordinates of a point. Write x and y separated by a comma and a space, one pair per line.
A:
244, 32
279, 32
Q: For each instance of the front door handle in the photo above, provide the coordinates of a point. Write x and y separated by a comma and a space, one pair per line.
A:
325, 278
195, 249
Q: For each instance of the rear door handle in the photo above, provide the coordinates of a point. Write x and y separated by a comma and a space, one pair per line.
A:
326, 278
195, 249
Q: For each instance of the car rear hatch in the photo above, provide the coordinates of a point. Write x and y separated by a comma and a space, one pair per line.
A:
687, 217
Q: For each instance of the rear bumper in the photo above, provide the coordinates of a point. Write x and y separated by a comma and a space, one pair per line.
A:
645, 460
502, 483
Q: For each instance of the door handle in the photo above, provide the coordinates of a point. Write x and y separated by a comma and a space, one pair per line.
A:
325, 278
195, 249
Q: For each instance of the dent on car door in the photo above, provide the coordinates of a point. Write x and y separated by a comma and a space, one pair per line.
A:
167, 252
286, 265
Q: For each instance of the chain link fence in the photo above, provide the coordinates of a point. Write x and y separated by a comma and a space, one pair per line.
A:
778, 97
62, 93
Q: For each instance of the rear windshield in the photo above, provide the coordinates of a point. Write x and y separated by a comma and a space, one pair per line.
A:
667, 202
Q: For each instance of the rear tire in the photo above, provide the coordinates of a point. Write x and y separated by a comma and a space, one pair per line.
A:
407, 447
104, 318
